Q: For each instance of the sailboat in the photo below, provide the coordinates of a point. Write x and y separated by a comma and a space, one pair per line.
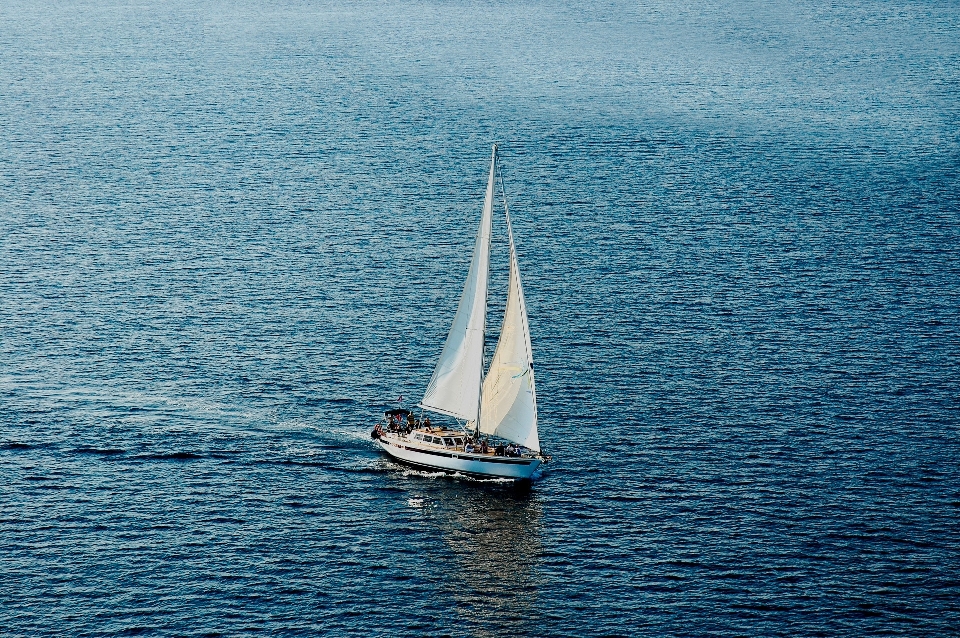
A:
497, 411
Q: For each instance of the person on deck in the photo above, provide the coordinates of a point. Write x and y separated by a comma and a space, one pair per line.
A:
511, 451
426, 423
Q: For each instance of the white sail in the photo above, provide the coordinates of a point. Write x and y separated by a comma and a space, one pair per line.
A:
454, 388
508, 407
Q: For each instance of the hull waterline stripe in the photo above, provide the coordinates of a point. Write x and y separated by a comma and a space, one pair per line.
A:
434, 468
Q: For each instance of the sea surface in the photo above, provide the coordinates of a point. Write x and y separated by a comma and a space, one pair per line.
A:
232, 233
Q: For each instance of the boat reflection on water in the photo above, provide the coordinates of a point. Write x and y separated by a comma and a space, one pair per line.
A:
492, 532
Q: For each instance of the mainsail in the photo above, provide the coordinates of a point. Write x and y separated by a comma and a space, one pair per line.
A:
454, 388
508, 407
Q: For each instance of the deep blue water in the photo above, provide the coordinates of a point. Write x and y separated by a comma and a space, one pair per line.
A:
232, 232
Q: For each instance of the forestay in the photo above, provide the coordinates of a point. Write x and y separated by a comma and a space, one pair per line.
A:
508, 407
454, 388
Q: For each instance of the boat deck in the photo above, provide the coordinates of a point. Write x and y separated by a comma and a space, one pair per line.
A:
450, 440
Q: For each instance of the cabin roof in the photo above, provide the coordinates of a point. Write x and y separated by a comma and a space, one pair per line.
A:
440, 433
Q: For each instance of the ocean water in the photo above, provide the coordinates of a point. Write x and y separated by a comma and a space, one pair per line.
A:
231, 233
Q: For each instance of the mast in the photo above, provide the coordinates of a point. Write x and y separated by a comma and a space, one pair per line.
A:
493, 167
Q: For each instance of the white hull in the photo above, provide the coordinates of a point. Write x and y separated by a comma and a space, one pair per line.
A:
447, 460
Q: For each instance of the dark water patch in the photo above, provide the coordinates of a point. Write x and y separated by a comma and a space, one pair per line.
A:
169, 456
13, 445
